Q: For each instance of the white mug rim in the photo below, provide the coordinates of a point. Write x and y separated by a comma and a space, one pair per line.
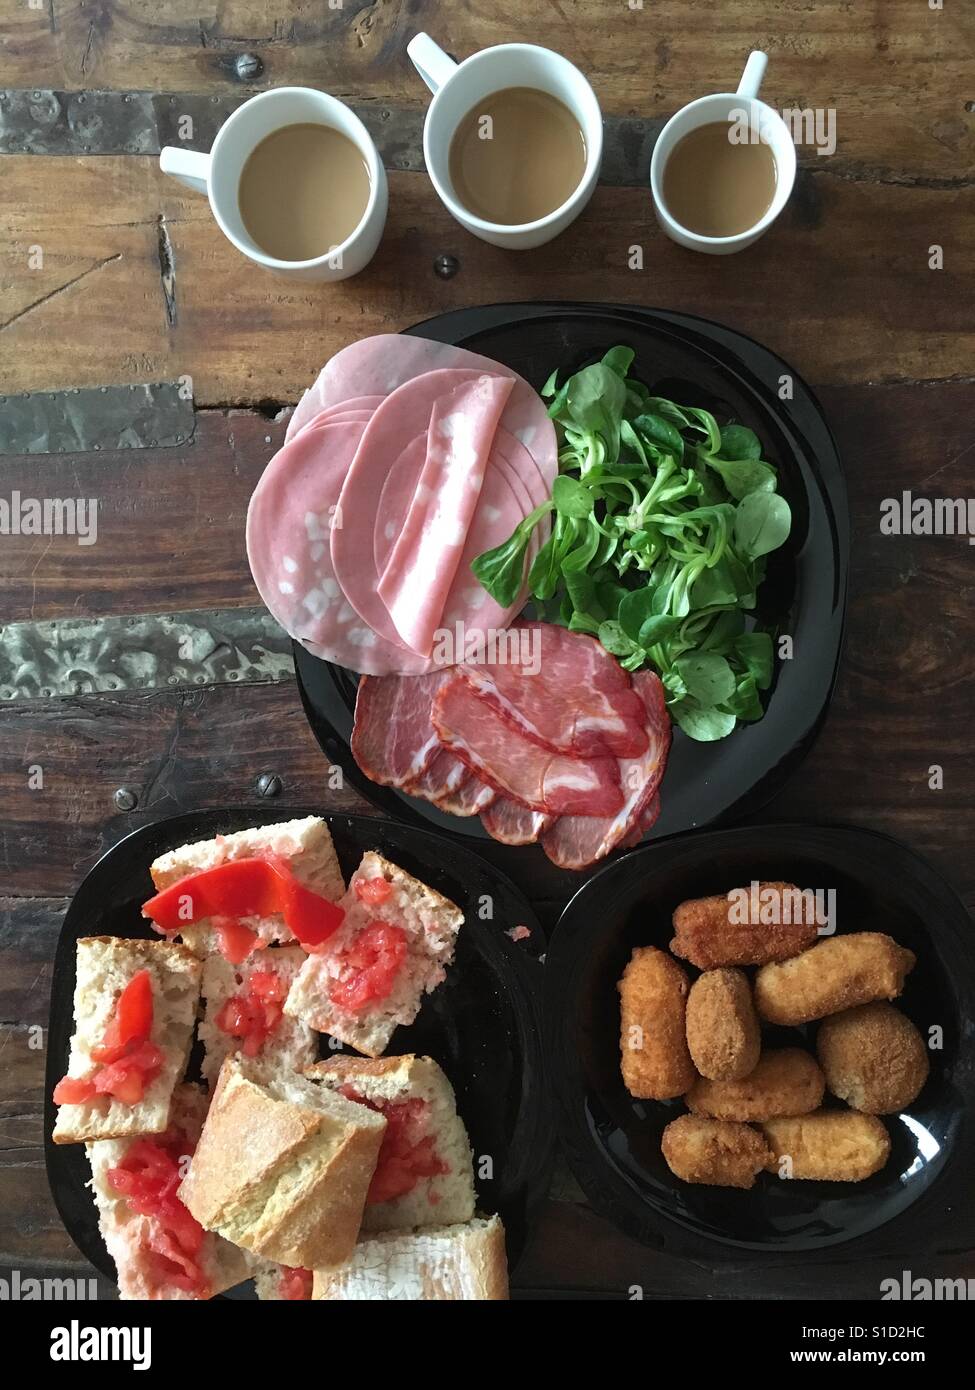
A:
365, 145
594, 149
774, 208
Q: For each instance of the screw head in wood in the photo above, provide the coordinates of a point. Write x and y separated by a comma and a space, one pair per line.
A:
446, 267
125, 799
247, 66
268, 784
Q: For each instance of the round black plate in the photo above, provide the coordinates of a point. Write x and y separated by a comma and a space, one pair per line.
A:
920, 1198
483, 1024
699, 363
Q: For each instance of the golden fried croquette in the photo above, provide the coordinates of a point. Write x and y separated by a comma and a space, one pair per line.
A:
723, 1034
872, 1057
786, 1081
709, 934
656, 1064
715, 1152
830, 1145
838, 973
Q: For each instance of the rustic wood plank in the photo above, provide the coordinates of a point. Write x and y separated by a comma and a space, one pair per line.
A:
897, 73
830, 287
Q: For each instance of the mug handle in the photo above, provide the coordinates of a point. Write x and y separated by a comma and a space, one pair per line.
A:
751, 78
189, 166
430, 61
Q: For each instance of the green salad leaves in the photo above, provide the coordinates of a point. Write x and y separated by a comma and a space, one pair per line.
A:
662, 521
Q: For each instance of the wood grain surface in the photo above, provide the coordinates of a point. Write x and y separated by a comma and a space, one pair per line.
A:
111, 274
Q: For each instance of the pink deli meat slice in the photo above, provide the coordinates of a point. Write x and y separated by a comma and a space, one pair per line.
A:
514, 824
426, 553
393, 739
289, 522
359, 408
516, 767
564, 691
379, 365
576, 842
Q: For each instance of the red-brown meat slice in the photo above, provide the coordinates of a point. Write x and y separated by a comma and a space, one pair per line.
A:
516, 767
576, 842
470, 798
562, 690
442, 777
514, 824
393, 740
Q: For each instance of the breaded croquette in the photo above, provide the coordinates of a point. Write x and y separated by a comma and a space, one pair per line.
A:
872, 1057
656, 1064
723, 1033
728, 930
836, 974
715, 1152
786, 1081
830, 1145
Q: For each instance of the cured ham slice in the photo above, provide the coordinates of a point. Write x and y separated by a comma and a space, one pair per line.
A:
470, 798
576, 842
393, 739
564, 691
289, 524
425, 555
442, 777
514, 824
515, 766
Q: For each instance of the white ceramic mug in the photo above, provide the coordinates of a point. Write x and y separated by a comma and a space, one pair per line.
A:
217, 174
457, 87
726, 106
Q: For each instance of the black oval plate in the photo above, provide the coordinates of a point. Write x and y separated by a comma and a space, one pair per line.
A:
920, 1198
699, 363
483, 1024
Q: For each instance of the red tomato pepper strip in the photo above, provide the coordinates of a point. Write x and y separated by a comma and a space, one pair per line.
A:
127, 1060
247, 888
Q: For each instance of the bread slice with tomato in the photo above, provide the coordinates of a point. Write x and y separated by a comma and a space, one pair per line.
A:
463, 1263
244, 1012
395, 942
424, 1176
188, 880
160, 1251
135, 1004
283, 1166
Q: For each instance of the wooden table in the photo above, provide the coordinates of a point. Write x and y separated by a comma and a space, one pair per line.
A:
142, 671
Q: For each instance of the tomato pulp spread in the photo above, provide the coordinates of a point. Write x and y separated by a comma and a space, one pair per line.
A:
370, 966
148, 1178
294, 1283
264, 887
254, 1013
408, 1152
127, 1060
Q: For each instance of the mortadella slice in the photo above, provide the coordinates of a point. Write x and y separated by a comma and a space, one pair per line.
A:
423, 562
504, 758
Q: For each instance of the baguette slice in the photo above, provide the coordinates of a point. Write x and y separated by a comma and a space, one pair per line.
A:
464, 1262
129, 1236
105, 965
306, 844
431, 923
419, 1105
283, 1166
292, 1045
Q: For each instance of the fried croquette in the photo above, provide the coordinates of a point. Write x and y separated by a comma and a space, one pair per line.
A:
872, 1057
730, 930
714, 1152
786, 1081
830, 1145
723, 1034
656, 1064
836, 974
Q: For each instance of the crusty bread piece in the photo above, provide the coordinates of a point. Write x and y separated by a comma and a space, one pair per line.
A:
434, 1201
105, 966
306, 844
283, 1166
127, 1233
290, 1048
431, 923
443, 1262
